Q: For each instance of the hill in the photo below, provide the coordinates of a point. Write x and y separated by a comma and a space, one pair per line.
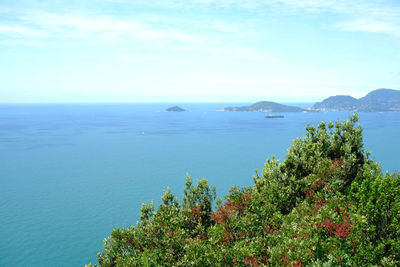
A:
326, 204
337, 103
379, 100
265, 106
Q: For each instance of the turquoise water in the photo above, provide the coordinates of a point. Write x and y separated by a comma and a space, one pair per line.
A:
69, 174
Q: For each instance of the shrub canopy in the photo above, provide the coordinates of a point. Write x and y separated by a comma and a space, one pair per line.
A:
327, 204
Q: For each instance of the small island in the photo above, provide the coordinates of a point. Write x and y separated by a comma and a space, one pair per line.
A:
175, 109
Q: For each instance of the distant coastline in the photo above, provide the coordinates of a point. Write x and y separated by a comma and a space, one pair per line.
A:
379, 100
264, 106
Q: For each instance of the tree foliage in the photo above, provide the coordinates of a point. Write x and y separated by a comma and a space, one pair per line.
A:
326, 204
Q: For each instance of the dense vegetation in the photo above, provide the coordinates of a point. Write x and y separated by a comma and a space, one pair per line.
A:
326, 204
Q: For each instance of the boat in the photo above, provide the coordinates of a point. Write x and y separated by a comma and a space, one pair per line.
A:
270, 116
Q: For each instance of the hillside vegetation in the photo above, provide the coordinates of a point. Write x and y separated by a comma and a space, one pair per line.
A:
326, 204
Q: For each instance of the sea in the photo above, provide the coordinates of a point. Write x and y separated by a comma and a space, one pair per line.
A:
70, 173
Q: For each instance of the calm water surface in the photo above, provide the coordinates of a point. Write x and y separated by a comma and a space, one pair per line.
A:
69, 174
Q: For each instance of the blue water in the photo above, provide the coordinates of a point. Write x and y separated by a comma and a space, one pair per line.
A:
69, 174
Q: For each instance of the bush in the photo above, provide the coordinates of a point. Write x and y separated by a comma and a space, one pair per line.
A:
327, 203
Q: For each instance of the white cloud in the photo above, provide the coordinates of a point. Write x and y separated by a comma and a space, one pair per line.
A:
217, 36
355, 15
14, 42
20, 30
78, 26
367, 26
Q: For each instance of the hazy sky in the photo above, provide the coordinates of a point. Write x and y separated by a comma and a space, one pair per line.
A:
196, 50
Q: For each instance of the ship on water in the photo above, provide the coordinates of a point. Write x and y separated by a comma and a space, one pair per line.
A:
271, 116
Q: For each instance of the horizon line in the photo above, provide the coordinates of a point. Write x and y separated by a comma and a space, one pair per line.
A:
152, 102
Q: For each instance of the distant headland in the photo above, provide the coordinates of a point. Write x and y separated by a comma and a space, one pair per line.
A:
380, 100
264, 106
175, 109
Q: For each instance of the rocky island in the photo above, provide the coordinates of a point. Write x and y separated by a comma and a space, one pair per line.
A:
380, 100
264, 106
175, 109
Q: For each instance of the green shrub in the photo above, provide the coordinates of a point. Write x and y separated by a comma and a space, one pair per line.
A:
326, 204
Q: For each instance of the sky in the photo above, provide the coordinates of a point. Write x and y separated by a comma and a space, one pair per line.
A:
54, 51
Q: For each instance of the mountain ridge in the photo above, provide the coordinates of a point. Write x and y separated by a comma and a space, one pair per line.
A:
379, 100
